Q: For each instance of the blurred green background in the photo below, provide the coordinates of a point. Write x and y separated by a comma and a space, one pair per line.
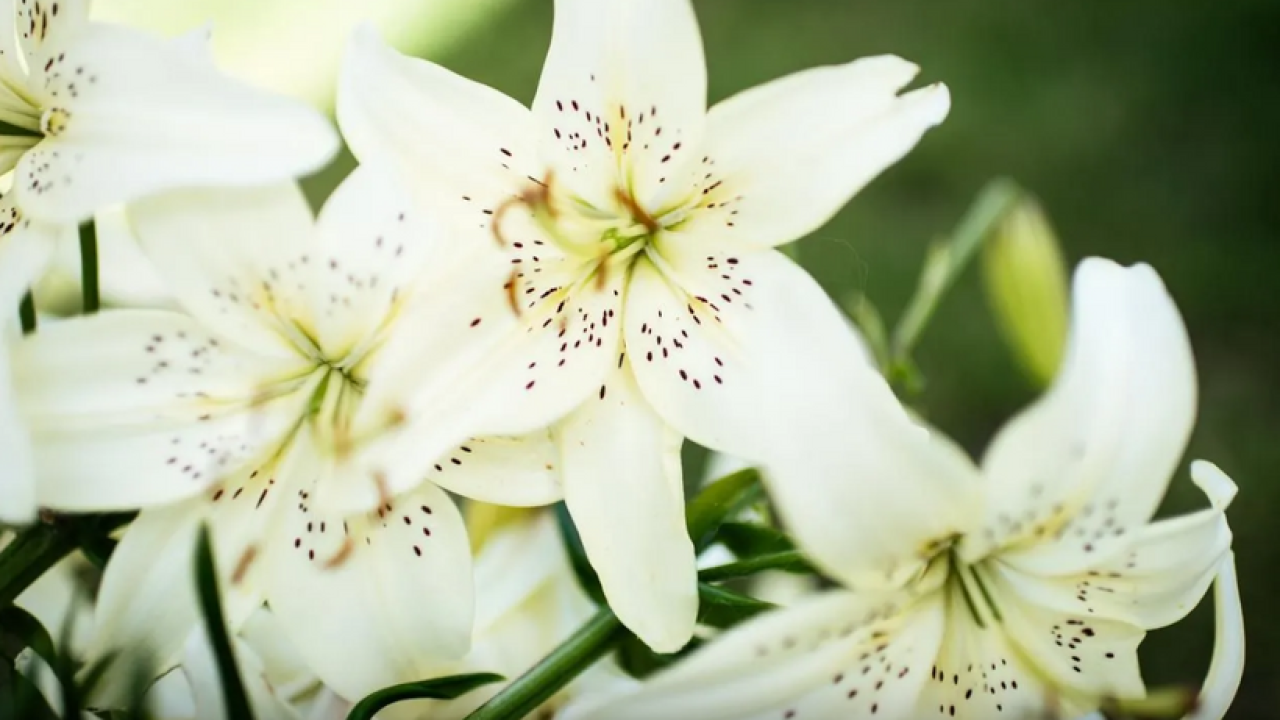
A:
1146, 128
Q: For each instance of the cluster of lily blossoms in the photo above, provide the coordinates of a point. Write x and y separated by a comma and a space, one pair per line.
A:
519, 306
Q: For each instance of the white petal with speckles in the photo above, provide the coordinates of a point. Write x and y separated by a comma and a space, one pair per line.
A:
519, 471
785, 156
1093, 457
462, 147
371, 247
620, 467
837, 654
636, 65
714, 336
373, 600
133, 115
242, 262
155, 412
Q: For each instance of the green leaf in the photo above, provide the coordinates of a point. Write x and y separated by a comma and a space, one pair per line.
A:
723, 608
791, 561
749, 539
719, 501
871, 323
445, 688
637, 660
29, 555
89, 267
235, 700
27, 313
587, 578
22, 630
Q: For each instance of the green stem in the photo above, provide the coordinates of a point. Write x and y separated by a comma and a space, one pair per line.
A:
947, 260
790, 560
31, 553
89, 267
554, 671
27, 313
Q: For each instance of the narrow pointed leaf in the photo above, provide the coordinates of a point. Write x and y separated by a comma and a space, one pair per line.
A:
718, 502
747, 540
445, 688
791, 561
89, 267
723, 608
235, 698
22, 630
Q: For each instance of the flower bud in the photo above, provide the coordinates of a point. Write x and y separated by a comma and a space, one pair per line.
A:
1026, 283
485, 520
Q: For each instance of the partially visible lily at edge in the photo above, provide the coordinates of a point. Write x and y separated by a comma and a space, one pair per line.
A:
1034, 609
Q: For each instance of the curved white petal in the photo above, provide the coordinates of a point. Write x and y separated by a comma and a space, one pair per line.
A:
728, 346
463, 147
135, 408
620, 467
783, 157
146, 604
241, 260
513, 564
1093, 655
520, 471
837, 654
637, 66
371, 245
132, 115
18, 482
126, 276
377, 599
27, 248
1162, 574
1227, 667
1090, 461
202, 672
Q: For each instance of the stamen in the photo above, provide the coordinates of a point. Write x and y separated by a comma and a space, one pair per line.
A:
343, 554
242, 565
636, 211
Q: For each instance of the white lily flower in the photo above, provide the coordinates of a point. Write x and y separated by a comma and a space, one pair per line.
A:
1037, 609
93, 114
639, 230
243, 411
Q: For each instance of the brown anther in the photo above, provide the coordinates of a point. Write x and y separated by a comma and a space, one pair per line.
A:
242, 565
537, 196
513, 298
343, 553
602, 272
396, 417
384, 492
636, 211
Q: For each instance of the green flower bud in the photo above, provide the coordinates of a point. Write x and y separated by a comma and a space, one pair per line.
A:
1026, 283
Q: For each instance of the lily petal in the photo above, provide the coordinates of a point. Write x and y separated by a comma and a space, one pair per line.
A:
463, 147
241, 261
622, 483
147, 605
375, 571
27, 248
158, 412
637, 66
201, 669
1161, 576
837, 654
724, 343
44, 25
1227, 667
18, 483
370, 247
129, 115
519, 471
783, 157
1090, 461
